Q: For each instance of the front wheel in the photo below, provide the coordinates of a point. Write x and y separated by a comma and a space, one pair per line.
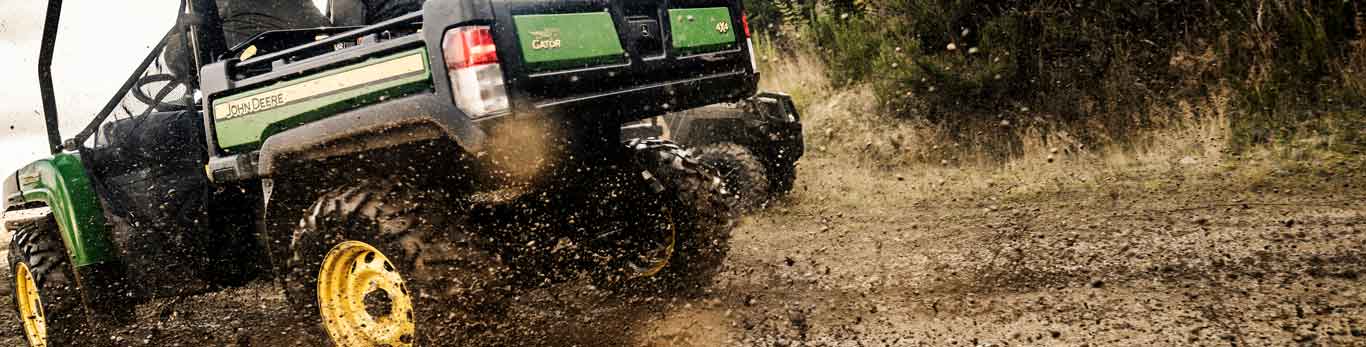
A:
46, 297
365, 259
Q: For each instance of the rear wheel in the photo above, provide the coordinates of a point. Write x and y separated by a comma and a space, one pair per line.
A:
692, 242
743, 173
370, 260
46, 298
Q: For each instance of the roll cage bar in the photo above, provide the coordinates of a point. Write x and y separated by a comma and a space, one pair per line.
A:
198, 19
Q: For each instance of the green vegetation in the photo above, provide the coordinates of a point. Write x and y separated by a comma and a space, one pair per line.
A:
1100, 70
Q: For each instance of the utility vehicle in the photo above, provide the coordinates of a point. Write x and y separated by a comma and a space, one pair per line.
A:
418, 167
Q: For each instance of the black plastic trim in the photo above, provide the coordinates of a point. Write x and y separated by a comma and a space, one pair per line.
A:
403, 120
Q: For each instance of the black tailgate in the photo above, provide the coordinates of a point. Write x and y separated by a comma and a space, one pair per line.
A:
623, 57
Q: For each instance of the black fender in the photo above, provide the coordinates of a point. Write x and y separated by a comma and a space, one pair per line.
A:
768, 124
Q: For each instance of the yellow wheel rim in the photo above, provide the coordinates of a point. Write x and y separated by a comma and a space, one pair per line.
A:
363, 299
30, 307
655, 260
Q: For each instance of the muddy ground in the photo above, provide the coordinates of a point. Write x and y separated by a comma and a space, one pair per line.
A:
865, 257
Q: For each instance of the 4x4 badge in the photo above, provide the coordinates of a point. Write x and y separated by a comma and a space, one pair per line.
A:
722, 27
545, 39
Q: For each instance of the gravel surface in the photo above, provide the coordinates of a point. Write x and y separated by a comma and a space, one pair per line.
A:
862, 257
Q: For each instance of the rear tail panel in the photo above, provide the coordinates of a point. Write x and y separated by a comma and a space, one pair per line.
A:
629, 59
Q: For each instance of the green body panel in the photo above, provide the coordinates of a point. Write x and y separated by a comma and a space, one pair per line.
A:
554, 41
247, 132
702, 30
61, 183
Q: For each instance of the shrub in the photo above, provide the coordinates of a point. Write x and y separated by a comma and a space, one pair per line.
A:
1098, 67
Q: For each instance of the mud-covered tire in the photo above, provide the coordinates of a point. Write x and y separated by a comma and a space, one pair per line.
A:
744, 175
443, 266
781, 178
703, 215
38, 246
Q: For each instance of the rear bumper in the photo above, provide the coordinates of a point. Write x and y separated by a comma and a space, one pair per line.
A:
640, 102
782, 127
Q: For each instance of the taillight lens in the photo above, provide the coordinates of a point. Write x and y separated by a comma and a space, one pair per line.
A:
744, 20
472, 65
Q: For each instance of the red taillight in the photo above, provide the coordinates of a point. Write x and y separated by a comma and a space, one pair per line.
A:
744, 19
469, 46
473, 69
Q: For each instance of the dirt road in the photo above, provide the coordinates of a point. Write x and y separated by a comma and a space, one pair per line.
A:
1150, 259
861, 257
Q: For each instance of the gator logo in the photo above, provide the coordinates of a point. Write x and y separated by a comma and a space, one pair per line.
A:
545, 39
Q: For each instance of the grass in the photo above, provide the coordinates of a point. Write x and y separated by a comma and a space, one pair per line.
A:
1025, 98
1193, 140
796, 72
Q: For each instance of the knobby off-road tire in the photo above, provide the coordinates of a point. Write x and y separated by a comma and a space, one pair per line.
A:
781, 178
744, 175
703, 215
442, 267
37, 247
